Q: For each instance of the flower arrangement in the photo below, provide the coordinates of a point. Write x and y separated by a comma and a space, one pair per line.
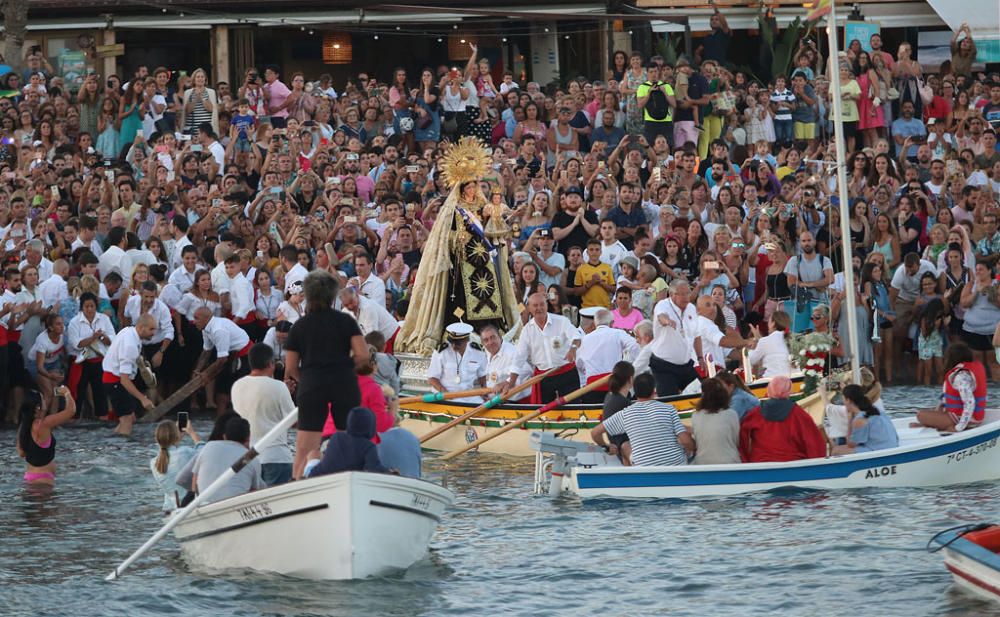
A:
809, 352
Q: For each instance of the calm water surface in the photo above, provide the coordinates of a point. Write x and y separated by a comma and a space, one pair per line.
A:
501, 550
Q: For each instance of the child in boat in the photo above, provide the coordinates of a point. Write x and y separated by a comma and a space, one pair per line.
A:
870, 428
351, 450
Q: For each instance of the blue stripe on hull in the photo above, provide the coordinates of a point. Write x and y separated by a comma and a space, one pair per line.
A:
969, 549
692, 476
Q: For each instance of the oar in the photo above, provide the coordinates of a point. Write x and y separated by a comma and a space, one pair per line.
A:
562, 400
251, 454
490, 404
434, 397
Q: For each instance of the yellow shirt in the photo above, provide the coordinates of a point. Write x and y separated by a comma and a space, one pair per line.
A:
849, 107
596, 295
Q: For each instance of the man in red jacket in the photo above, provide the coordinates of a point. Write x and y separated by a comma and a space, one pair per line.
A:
779, 430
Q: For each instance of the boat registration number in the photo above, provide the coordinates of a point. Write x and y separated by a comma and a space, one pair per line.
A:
256, 511
421, 501
974, 450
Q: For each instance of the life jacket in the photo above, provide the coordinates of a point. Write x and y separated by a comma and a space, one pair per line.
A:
952, 400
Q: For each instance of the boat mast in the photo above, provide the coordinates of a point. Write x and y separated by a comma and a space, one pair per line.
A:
845, 210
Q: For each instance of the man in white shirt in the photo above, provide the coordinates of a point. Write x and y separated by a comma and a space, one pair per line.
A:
367, 282
89, 333
294, 271
53, 290
87, 236
231, 345
458, 365
220, 280
904, 290
715, 344
210, 143
675, 331
179, 228
643, 336
114, 259
183, 276
241, 299
147, 303
501, 361
264, 402
600, 351
34, 255
547, 341
370, 315
121, 364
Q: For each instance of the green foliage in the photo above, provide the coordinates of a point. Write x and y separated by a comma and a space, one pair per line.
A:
669, 47
784, 44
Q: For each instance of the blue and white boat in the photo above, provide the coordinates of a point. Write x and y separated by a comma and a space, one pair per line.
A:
923, 458
970, 554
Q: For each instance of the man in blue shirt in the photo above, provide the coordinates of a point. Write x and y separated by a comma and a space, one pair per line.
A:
628, 215
607, 132
908, 126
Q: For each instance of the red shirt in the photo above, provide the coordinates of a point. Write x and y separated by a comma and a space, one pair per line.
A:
792, 439
372, 398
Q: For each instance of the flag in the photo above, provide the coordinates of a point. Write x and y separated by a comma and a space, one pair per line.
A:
6, 94
819, 9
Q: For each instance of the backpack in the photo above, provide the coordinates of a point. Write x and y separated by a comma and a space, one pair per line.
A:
657, 107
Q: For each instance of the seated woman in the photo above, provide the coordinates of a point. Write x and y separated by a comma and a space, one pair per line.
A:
779, 430
351, 450
963, 398
171, 458
715, 427
617, 399
870, 428
741, 399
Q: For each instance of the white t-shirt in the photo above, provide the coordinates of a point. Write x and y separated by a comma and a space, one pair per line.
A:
264, 402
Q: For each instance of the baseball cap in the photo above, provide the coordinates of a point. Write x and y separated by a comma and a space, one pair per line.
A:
574, 190
544, 233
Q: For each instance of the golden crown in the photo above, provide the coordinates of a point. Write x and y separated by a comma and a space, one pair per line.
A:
466, 160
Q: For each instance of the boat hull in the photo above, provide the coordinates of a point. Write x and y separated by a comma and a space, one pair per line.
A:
569, 422
932, 460
340, 526
973, 561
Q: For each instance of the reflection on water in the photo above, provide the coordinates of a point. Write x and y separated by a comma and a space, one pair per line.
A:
501, 550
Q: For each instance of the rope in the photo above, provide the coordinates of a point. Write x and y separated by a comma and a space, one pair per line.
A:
965, 529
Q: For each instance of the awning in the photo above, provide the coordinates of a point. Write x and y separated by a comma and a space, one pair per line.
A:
895, 15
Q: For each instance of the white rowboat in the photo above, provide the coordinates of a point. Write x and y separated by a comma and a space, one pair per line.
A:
924, 458
339, 526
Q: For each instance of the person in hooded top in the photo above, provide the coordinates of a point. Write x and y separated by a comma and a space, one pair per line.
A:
779, 430
352, 450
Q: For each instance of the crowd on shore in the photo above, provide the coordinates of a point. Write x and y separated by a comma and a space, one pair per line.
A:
179, 217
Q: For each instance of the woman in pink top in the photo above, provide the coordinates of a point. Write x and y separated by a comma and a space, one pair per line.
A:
626, 317
371, 397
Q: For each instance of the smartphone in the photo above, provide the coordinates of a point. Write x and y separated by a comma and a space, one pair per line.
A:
276, 190
260, 253
182, 73
54, 190
347, 201
140, 133
512, 162
195, 147
350, 219
109, 175
412, 169
184, 137
170, 176
353, 157
182, 420
216, 203
711, 265
333, 180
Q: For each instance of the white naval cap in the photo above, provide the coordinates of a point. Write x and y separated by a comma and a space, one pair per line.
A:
458, 330
590, 312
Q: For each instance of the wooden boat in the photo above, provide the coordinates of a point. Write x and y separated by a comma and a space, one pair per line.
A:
339, 526
972, 555
924, 458
572, 421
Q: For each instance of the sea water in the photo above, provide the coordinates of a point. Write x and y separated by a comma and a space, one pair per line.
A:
501, 550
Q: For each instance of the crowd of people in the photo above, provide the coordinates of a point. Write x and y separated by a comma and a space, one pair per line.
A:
156, 230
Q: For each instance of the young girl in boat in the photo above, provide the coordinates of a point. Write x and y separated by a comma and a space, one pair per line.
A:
617, 399
870, 428
35, 442
171, 458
